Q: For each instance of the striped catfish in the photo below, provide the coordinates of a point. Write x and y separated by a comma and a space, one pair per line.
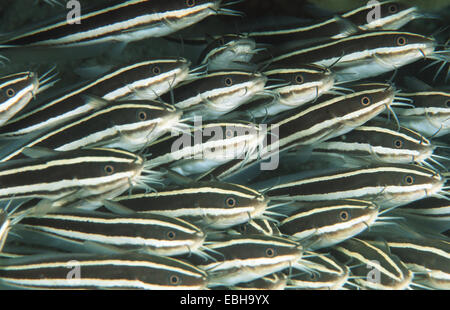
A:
205, 147
329, 117
393, 15
431, 212
94, 271
274, 282
119, 20
363, 55
215, 94
65, 177
247, 258
229, 52
429, 259
16, 91
327, 223
385, 185
299, 85
150, 233
212, 204
378, 141
143, 80
128, 125
430, 114
324, 273
373, 267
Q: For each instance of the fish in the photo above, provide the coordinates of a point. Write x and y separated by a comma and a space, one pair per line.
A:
79, 176
427, 258
430, 115
94, 271
388, 186
378, 141
329, 223
373, 267
247, 258
214, 94
361, 56
324, 273
148, 233
204, 147
393, 15
276, 281
118, 21
297, 86
16, 91
229, 52
329, 117
144, 80
127, 125
214, 205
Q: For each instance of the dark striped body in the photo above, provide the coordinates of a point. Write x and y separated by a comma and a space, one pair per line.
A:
429, 258
93, 271
143, 80
129, 126
378, 141
151, 233
375, 268
430, 115
217, 93
213, 204
385, 185
328, 223
325, 273
393, 15
361, 56
124, 21
246, 258
68, 176
206, 147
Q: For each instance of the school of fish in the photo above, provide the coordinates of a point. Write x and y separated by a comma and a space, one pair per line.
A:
232, 153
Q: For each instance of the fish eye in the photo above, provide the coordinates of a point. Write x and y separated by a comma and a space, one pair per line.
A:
447, 103
299, 79
409, 180
10, 92
156, 70
365, 101
398, 143
142, 115
270, 252
344, 216
174, 280
401, 41
171, 235
228, 81
393, 8
229, 133
312, 276
230, 202
109, 169
190, 3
